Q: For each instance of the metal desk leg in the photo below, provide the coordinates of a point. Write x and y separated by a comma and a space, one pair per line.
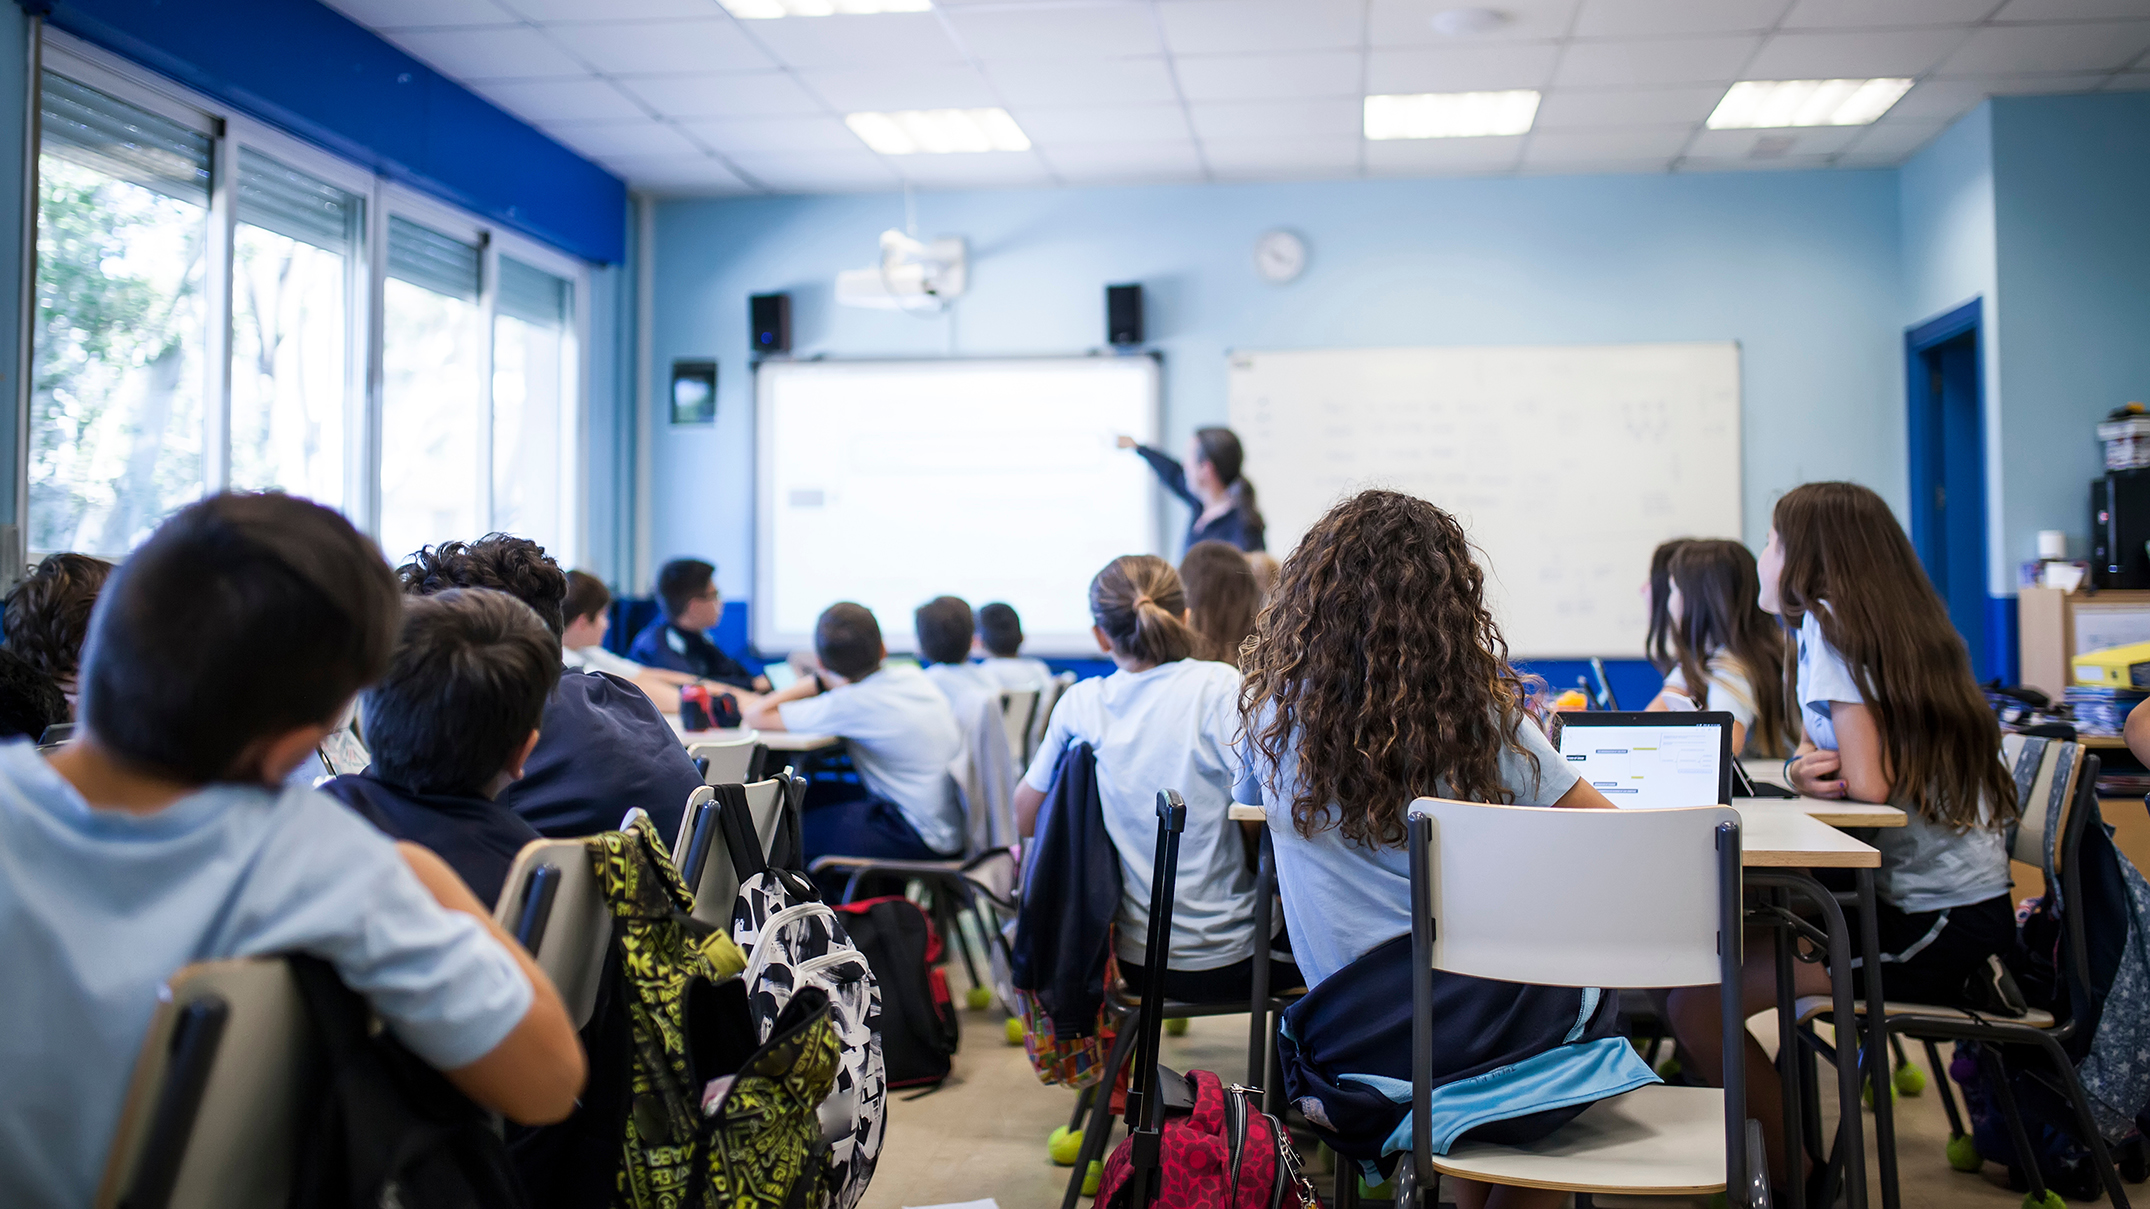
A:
1850, 1124
1789, 1066
1258, 1001
1875, 1056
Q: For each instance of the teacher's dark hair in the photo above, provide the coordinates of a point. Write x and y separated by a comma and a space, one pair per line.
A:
1221, 449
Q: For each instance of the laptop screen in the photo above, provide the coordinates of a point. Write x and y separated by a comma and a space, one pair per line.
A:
1650, 761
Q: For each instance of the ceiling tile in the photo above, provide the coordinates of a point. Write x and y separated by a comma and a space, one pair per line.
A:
601, 140
1410, 22
825, 171
1126, 162
1859, 56
650, 47
912, 86
1637, 167
984, 169
1861, 14
1609, 143
2070, 10
1059, 127
1273, 158
1478, 69
910, 39
1426, 157
504, 53
1946, 100
2088, 46
1059, 33
1200, 27
615, 10
1805, 140
1279, 119
673, 174
1643, 18
1715, 163
1894, 138
1321, 73
774, 134
397, 14
746, 94
1083, 82
1660, 61
1577, 108
587, 99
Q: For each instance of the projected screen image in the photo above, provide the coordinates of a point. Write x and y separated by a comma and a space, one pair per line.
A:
890, 483
1647, 767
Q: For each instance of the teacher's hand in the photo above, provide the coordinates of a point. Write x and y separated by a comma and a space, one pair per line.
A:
1126, 442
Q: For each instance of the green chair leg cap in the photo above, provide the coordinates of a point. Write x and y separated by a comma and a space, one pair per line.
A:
1092, 1178
1384, 1191
2052, 1201
1015, 1031
1866, 1093
1065, 1145
1669, 1069
1963, 1154
1718, 1200
1176, 1027
1910, 1079
979, 998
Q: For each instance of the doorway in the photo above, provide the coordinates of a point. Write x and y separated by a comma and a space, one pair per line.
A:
1948, 477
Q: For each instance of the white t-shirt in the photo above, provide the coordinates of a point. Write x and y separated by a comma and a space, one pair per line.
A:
1170, 727
1016, 671
903, 737
598, 659
967, 686
1342, 898
1731, 690
1925, 866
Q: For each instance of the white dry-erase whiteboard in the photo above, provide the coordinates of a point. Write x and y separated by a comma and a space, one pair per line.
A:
892, 482
1568, 465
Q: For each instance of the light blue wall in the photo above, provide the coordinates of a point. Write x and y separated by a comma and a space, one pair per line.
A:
1802, 268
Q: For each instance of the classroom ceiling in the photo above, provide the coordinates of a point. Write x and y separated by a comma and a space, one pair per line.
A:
681, 98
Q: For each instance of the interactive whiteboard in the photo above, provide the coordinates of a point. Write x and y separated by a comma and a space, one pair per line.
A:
892, 482
1567, 465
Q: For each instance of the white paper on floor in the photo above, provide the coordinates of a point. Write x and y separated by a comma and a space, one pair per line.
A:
987, 1203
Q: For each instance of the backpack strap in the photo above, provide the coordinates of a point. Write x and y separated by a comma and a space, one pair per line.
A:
1235, 1133
736, 822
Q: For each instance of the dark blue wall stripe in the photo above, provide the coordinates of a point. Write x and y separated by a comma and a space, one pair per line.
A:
302, 66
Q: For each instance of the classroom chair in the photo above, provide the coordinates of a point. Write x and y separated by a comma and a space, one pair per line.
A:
551, 904
734, 759
1047, 699
1018, 710
703, 855
207, 1124
1614, 898
2057, 791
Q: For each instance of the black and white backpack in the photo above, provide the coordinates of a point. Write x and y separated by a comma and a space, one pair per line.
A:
792, 940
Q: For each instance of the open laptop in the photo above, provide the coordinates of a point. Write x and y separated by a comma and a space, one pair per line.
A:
1651, 761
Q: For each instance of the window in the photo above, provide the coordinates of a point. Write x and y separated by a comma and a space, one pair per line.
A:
432, 390
533, 436
116, 418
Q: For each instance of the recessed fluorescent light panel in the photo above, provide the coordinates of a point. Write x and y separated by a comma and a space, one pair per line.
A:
938, 131
762, 10
1753, 104
1450, 115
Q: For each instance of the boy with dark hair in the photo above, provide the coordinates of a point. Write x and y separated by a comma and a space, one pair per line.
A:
602, 748
451, 725
30, 703
944, 639
689, 606
588, 611
47, 615
218, 657
1000, 634
900, 733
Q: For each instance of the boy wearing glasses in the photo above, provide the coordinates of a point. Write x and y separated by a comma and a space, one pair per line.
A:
678, 639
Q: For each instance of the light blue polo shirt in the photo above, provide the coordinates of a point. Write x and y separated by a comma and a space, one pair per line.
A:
99, 907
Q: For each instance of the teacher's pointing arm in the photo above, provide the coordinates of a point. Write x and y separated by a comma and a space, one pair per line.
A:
1169, 471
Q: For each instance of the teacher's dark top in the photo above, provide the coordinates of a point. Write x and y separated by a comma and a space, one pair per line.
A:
1241, 527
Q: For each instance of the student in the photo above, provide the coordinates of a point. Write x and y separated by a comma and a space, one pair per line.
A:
219, 656
30, 703
1892, 714
678, 639
450, 726
1211, 484
1657, 642
1163, 720
1000, 637
602, 748
1723, 641
944, 639
1222, 599
588, 612
1264, 566
901, 735
48, 615
1377, 675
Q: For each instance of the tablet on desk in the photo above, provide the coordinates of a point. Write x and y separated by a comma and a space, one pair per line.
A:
780, 675
1651, 761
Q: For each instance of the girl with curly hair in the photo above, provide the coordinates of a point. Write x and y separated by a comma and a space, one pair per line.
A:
1377, 675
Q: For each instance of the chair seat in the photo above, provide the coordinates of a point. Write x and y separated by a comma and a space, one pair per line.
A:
1811, 1006
1653, 1141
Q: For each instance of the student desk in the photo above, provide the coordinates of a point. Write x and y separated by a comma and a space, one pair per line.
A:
1837, 812
774, 740
1774, 834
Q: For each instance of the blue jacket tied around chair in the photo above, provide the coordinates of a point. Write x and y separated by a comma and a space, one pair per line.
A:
1071, 891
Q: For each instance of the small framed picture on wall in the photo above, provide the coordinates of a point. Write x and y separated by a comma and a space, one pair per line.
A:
694, 392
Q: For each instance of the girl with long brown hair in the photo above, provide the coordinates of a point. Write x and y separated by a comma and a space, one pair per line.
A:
1657, 641
1222, 599
1728, 655
1892, 714
1377, 675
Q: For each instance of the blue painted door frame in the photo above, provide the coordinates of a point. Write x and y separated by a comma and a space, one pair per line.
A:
1947, 420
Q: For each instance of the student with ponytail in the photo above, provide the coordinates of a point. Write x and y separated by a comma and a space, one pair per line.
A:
1164, 720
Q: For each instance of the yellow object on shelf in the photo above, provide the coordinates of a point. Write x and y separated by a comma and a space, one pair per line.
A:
2115, 667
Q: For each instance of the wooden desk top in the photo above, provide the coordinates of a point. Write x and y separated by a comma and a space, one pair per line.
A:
774, 740
1836, 812
1773, 835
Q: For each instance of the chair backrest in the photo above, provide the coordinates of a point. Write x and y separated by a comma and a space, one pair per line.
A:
1047, 699
2046, 772
997, 877
716, 882
552, 904
695, 801
731, 758
1604, 898
213, 1112
1017, 707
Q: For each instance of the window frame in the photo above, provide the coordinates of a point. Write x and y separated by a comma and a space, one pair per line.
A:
383, 197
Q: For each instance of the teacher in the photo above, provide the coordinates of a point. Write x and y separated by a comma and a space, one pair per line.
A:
1222, 498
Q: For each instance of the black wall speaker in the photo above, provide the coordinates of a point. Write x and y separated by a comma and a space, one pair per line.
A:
1123, 314
770, 316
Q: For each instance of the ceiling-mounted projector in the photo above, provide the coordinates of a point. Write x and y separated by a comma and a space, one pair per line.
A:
912, 275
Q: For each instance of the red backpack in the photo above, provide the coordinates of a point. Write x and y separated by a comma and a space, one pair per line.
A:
1217, 1149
